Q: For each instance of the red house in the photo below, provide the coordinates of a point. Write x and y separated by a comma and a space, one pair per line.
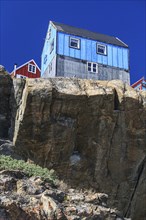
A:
27, 70
140, 84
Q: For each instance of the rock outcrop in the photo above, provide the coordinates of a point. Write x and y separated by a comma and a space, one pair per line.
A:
5, 111
33, 199
93, 133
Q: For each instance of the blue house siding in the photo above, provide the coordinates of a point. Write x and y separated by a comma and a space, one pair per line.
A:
116, 56
46, 49
125, 58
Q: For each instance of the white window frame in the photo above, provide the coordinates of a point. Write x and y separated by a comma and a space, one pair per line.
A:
30, 68
92, 67
78, 42
102, 45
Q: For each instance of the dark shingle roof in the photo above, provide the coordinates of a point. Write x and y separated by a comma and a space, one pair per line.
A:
88, 34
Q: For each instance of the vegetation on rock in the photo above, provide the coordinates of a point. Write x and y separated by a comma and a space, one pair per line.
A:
7, 163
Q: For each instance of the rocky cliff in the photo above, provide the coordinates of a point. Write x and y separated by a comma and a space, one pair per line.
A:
5, 93
93, 133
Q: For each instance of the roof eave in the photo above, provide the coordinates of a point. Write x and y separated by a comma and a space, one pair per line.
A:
125, 45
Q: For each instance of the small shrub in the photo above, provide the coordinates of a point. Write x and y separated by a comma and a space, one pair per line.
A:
7, 162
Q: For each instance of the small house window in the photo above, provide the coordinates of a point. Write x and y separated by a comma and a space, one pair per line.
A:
49, 34
144, 84
92, 67
50, 67
101, 49
45, 59
74, 43
52, 46
31, 68
22, 77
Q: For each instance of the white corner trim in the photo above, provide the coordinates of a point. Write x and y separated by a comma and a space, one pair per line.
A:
53, 25
121, 41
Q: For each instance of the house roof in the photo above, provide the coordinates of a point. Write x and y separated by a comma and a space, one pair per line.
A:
88, 34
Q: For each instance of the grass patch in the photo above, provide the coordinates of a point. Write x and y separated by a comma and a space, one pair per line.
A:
8, 163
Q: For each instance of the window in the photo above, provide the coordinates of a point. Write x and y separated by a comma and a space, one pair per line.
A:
49, 34
45, 59
31, 68
101, 49
144, 84
74, 43
22, 77
92, 67
52, 46
50, 67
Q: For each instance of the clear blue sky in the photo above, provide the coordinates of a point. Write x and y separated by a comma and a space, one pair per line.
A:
23, 26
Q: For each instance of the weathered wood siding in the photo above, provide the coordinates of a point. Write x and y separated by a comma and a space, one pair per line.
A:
72, 67
50, 72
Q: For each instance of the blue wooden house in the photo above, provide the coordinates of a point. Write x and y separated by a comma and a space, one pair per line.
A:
73, 52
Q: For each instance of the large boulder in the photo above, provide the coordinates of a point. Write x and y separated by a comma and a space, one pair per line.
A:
93, 133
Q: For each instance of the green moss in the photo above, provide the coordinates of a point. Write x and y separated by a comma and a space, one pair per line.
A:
8, 163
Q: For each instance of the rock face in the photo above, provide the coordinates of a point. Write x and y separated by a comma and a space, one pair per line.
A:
15, 102
33, 199
5, 111
93, 133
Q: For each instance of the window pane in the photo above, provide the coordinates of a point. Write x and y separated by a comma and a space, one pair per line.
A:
94, 65
101, 49
45, 59
94, 70
89, 69
89, 64
52, 46
34, 69
49, 35
29, 68
74, 40
74, 44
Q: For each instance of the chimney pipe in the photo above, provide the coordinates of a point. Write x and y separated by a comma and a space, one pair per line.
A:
15, 67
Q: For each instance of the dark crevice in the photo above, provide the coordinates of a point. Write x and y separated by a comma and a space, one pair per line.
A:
5, 109
139, 174
116, 101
